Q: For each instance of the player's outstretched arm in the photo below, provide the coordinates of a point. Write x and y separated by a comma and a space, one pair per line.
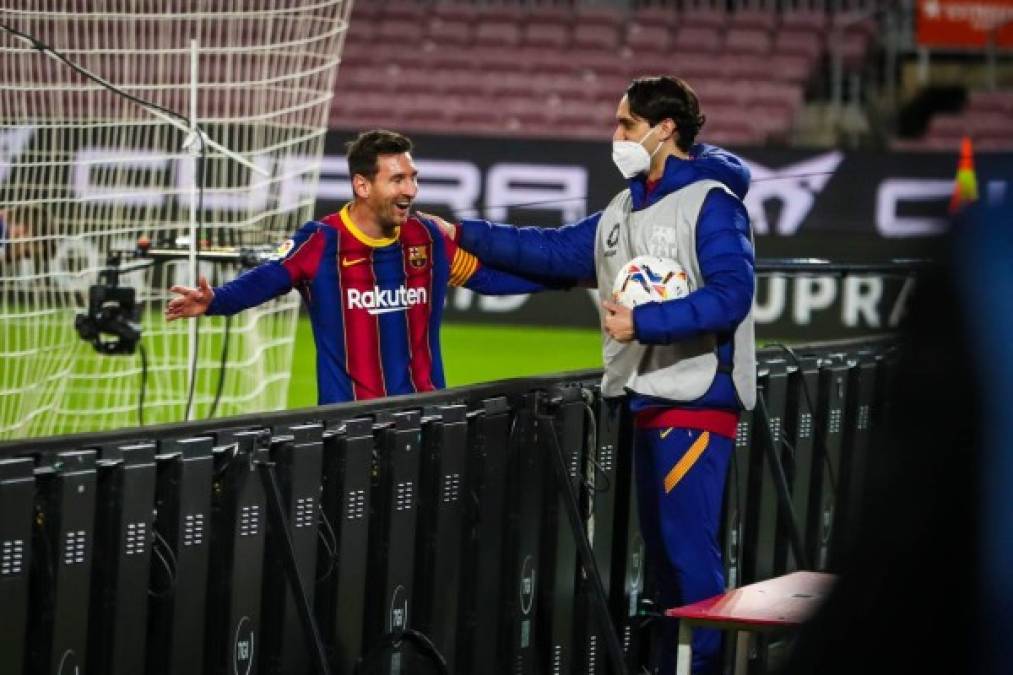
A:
189, 302
564, 254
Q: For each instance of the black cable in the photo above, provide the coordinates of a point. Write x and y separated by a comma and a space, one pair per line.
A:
44, 48
221, 367
781, 486
280, 526
586, 556
144, 384
168, 563
331, 546
812, 415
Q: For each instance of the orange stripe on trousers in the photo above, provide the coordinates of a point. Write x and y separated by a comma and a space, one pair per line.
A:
686, 462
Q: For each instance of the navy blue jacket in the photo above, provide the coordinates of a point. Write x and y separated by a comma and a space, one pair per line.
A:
724, 252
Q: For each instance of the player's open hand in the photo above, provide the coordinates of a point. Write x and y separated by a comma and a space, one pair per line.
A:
449, 229
191, 301
618, 321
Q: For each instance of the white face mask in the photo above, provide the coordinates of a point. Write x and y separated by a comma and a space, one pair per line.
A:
632, 158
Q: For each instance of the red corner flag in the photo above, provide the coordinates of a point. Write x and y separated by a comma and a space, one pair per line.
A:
965, 188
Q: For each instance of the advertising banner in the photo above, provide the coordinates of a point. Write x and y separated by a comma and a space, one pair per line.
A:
965, 23
825, 203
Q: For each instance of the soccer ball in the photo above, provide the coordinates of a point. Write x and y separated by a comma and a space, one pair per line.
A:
648, 278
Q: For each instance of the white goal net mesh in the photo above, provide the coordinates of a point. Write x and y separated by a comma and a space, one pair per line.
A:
84, 171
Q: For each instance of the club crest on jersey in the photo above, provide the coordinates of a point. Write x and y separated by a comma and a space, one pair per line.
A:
417, 256
284, 249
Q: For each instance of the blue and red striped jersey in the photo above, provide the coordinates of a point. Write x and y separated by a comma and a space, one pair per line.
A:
375, 304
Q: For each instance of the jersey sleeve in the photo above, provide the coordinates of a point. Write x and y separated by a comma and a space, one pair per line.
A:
725, 252
565, 253
466, 270
294, 262
300, 255
250, 289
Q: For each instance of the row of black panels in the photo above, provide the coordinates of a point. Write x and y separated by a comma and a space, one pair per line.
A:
446, 523
820, 414
157, 557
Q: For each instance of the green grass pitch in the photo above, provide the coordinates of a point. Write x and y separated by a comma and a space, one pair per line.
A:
473, 353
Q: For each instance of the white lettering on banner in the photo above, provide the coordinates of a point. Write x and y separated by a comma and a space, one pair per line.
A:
795, 186
462, 298
297, 186
861, 297
996, 191
900, 307
384, 300
777, 297
456, 185
453, 184
812, 293
502, 303
12, 141
250, 197
539, 187
894, 191
96, 160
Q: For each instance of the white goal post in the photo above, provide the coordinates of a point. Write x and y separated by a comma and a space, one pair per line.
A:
85, 171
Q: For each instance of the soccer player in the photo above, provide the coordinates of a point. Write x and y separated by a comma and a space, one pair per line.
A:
687, 365
373, 276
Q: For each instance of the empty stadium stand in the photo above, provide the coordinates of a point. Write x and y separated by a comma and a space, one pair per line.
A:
541, 69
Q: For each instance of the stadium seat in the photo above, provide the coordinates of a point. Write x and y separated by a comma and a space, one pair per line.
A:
468, 12
791, 68
704, 18
814, 21
747, 41
852, 46
448, 31
555, 35
607, 89
665, 17
692, 38
439, 56
598, 62
600, 15
694, 67
756, 19
595, 36
501, 33
403, 10
643, 37
493, 60
399, 30
716, 95
991, 101
799, 42
744, 66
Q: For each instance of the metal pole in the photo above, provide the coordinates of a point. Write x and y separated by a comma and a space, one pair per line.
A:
195, 151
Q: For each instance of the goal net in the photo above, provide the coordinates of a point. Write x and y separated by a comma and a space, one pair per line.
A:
84, 171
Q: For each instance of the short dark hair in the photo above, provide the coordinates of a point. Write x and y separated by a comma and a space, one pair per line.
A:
363, 151
658, 98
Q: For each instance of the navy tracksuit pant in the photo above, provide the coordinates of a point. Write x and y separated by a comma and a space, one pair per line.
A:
680, 477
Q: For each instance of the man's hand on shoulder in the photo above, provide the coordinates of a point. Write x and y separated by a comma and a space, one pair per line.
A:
190, 301
448, 229
618, 322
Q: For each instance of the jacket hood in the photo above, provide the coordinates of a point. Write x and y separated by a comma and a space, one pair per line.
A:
706, 162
